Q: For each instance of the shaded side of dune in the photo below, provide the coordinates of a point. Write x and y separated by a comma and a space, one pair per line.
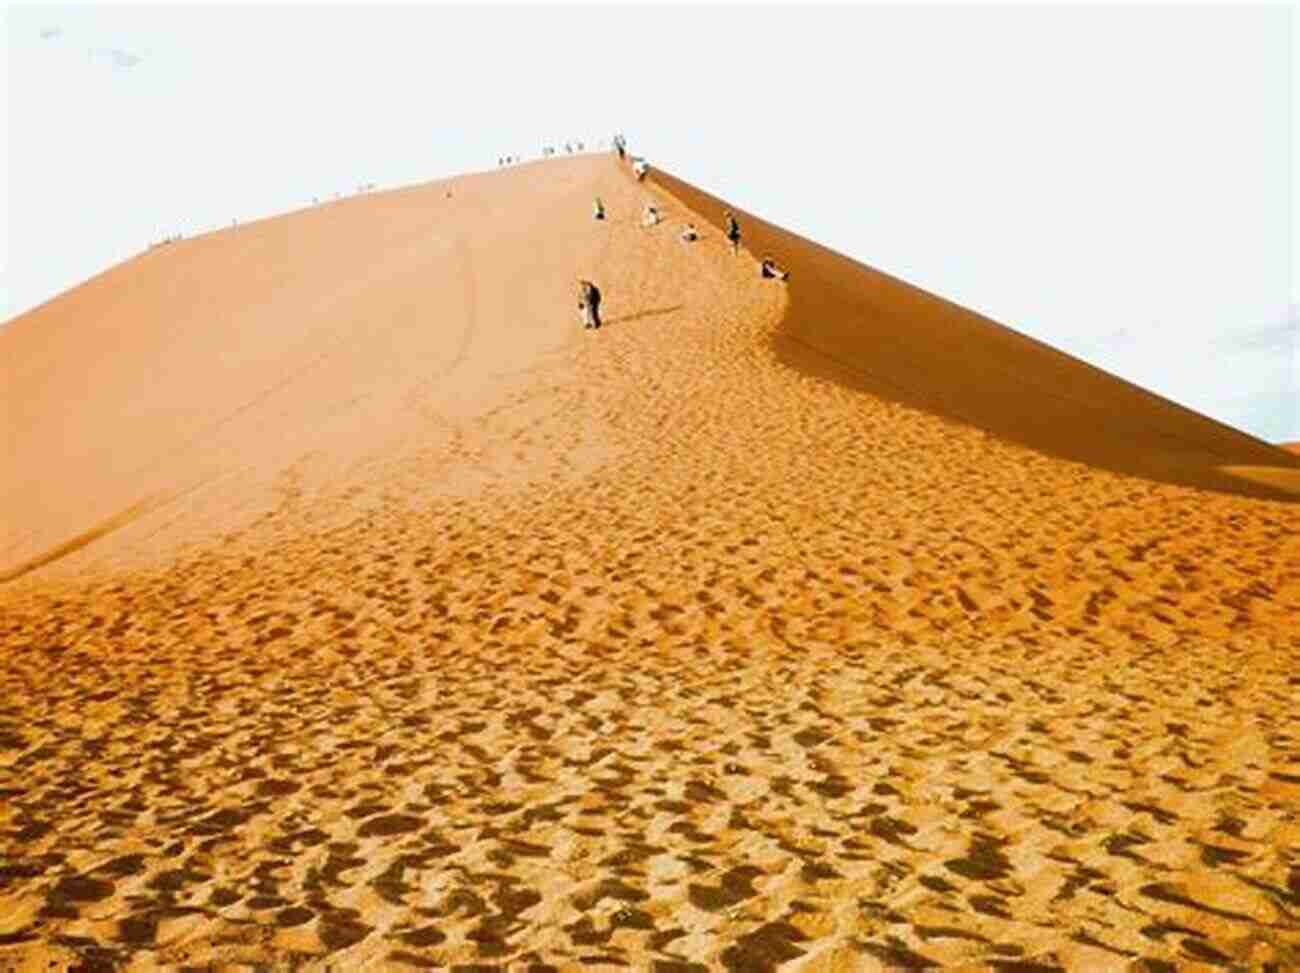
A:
877, 334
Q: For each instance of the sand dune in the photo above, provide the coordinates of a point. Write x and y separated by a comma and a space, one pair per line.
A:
362, 611
879, 335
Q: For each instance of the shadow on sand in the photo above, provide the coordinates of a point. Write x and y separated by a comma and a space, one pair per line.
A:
877, 334
640, 315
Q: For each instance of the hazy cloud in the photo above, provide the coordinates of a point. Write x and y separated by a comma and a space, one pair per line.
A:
1245, 375
118, 58
1278, 337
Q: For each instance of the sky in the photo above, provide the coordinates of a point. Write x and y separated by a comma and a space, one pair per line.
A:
1114, 180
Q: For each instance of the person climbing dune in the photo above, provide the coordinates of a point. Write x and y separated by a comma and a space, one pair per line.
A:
650, 215
733, 232
689, 233
589, 304
598, 210
768, 268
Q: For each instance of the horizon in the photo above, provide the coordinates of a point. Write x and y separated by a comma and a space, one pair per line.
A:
1019, 230
375, 597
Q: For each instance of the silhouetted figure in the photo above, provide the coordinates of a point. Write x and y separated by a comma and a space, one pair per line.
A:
733, 232
620, 146
598, 210
689, 234
650, 215
589, 304
640, 167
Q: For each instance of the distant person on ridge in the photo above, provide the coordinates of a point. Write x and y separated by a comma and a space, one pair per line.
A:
598, 210
589, 303
640, 167
620, 147
733, 232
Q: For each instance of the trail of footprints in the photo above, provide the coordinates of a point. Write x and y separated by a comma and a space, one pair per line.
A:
800, 677
696, 806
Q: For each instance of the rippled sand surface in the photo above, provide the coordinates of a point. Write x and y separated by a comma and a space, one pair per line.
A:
820, 627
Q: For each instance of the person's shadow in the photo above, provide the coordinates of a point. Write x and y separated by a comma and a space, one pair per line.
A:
653, 312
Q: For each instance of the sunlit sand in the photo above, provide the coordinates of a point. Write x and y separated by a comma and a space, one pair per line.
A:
362, 611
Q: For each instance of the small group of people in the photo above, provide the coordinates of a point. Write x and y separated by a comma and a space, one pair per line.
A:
569, 148
767, 267
639, 165
651, 216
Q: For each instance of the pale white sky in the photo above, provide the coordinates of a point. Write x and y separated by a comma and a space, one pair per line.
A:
1114, 180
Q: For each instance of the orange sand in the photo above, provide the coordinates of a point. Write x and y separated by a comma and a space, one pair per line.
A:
361, 611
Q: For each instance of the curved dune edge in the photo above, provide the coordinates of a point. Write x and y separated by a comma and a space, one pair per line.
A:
877, 334
773, 671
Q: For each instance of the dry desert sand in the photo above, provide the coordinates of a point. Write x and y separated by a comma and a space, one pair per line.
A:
361, 611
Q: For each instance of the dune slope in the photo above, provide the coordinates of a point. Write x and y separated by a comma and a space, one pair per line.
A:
362, 611
882, 336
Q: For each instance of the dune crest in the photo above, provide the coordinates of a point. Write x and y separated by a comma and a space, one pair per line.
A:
882, 336
820, 624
